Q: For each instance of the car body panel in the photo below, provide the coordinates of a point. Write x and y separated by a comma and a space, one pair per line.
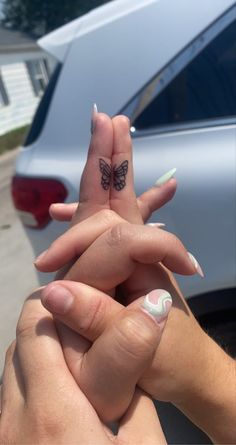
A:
111, 74
112, 87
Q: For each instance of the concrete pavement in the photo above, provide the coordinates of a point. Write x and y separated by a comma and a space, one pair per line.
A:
17, 275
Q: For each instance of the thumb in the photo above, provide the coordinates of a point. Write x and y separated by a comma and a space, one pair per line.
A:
117, 359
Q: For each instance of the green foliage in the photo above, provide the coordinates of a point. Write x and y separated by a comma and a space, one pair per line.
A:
38, 17
13, 139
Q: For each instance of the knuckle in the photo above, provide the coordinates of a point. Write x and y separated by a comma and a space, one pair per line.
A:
109, 217
118, 234
134, 339
10, 349
26, 327
10, 352
92, 322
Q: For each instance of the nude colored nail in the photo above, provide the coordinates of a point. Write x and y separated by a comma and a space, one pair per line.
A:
93, 118
158, 304
57, 299
196, 265
159, 225
166, 177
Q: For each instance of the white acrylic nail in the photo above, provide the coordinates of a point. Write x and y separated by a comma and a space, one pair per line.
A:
166, 177
158, 304
93, 118
196, 265
160, 225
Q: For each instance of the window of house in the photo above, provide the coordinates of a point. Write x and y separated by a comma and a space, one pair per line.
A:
39, 75
4, 100
204, 89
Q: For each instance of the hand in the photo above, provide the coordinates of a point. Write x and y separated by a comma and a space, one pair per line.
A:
205, 374
108, 370
143, 278
179, 376
94, 197
168, 376
41, 403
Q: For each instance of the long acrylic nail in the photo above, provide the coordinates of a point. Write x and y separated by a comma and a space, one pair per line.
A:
196, 265
57, 299
166, 177
159, 225
93, 118
158, 304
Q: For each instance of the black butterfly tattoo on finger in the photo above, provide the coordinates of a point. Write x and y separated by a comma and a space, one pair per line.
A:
117, 174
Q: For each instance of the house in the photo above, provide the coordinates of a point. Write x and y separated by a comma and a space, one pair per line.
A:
24, 74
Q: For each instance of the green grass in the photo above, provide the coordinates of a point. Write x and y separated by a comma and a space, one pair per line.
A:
13, 139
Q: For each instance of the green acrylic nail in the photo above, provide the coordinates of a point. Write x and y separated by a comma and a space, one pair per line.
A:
166, 177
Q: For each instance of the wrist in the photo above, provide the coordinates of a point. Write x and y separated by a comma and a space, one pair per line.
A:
209, 397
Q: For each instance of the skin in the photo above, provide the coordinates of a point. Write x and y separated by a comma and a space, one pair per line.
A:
185, 375
208, 395
35, 407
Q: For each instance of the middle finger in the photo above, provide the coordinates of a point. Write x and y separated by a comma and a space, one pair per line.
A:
122, 195
95, 184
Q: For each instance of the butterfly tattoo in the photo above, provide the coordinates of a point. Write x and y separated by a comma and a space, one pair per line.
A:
117, 174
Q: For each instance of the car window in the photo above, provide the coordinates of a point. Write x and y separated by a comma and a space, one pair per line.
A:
205, 89
42, 110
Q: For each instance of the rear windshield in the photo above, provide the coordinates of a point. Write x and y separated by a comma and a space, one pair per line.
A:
43, 107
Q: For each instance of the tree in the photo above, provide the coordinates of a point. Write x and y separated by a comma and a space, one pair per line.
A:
38, 17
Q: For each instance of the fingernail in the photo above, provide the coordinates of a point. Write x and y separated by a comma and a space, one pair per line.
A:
93, 118
40, 257
196, 265
158, 304
160, 225
166, 177
57, 299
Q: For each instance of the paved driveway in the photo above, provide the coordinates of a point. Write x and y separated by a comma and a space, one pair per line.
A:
17, 275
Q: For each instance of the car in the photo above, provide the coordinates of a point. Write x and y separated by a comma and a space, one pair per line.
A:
170, 67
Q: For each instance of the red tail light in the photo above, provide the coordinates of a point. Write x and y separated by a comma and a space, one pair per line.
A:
32, 198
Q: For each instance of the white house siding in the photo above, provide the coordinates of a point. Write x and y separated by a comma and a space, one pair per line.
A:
22, 100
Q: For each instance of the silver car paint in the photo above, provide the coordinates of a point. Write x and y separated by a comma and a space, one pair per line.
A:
203, 211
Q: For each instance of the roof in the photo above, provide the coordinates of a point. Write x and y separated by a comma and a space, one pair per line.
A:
165, 13
57, 41
15, 41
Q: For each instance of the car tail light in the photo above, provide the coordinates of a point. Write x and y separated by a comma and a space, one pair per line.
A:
32, 198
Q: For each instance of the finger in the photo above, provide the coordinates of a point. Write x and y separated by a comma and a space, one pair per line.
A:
74, 347
117, 359
95, 184
125, 340
122, 247
40, 354
76, 240
148, 202
140, 424
82, 308
155, 198
122, 194
62, 211
12, 390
